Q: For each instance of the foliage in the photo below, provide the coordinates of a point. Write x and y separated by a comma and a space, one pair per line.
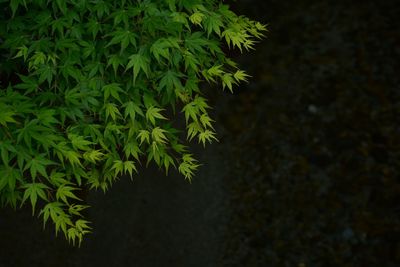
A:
88, 90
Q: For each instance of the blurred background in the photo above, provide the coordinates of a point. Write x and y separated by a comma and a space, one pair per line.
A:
306, 172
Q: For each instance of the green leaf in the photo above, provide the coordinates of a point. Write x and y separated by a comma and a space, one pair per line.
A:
112, 89
22, 52
131, 109
32, 191
93, 156
228, 81
129, 166
241, 76
196, 18
73, 158
215, 71
208, 136
9, 177
52, 210
38, 164
93, 27
196, 43
62, 5
153, 113
14, 5
191, 61
81, 225
57, 178
138, 62
62, 221
171, 4
158, 135
80, 228
115, 61
170, 81
191, 111
188, 166
112, 110
64, 192
79, 142
124, 38
181, 18
144, 135
121, 16
47, 116
132, 149
118, 167
213, 23
31, 130
7, 117
206, 121
168, 160
193, 129
76, 209
162, 47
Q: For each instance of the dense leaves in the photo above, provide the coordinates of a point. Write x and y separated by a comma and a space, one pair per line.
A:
86, 87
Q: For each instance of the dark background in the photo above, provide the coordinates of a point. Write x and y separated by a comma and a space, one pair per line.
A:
306, 172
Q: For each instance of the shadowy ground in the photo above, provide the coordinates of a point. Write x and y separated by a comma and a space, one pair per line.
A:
306, 172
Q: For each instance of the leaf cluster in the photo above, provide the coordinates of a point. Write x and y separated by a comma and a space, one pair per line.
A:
88, 88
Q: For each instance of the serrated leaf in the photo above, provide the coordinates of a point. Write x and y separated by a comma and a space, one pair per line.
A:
170, 81
131, 109
38, 164
191, 111
138, 62
57, 178
196, 18
114, 90
82, 225
73, 157
144, 135
191, 61
207, 136
240, 75
118, 167
168, 160
158, 135
161, 48
228, 81
52, 210
62, 221
115, 61
188, 166
213, 23
206, 121
124, 38
7, 117
129, 166
76, 209
93, 156
132, 149
64, 192
79, 142
111, 110
193, 129
22, 52
32, 191
153, 113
